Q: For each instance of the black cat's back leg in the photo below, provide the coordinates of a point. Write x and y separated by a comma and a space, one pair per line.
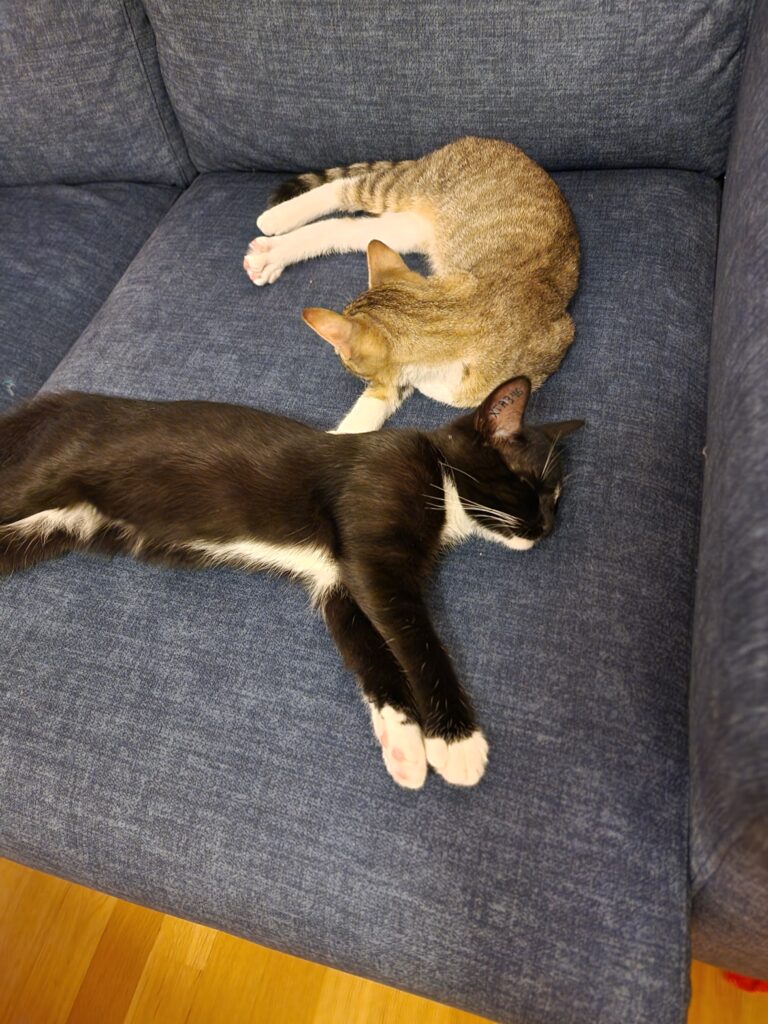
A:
385, 688
29, 541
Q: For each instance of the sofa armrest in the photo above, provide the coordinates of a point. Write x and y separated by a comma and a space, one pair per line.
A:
729, 690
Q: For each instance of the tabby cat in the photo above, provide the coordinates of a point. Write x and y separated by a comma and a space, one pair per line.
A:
360, 519
504, 254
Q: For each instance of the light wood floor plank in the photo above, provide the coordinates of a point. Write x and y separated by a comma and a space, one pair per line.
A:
714, 1001
69, 955
167, 985
63, 950
29, 911
248, 983
110, 983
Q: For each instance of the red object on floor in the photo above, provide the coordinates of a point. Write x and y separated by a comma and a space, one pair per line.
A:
747, 984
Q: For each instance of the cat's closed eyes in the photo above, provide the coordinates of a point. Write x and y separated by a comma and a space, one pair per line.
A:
360, 519
503, 252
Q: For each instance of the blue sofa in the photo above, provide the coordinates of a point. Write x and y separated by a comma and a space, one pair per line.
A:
191, 741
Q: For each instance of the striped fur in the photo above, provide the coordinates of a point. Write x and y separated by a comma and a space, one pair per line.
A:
503, 252
312, 179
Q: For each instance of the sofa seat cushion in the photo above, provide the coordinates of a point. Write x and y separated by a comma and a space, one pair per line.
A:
62, 250
190, 740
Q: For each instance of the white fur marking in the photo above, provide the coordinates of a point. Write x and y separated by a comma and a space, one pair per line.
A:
303, 208
459, 524
462, 762
402, 746
442, 382
312, 563
367, 414
81, 520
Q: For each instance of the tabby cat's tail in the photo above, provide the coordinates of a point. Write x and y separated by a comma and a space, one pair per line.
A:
312, 179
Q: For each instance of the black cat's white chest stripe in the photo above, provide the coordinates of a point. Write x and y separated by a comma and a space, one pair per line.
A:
459, 525
313, 564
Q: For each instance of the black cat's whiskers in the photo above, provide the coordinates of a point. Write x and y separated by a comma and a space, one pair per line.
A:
504, 518
550, 465
455, 469
494, 516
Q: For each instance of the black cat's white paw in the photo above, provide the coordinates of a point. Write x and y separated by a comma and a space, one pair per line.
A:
460, 762
402, 746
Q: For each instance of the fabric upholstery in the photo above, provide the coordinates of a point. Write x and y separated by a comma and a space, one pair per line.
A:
601, 83
62, 250
729, 698
81, 96
190, 741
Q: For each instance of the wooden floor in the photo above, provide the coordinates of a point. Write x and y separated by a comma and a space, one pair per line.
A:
69, 955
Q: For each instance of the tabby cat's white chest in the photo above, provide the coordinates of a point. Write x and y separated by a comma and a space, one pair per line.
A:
440, 381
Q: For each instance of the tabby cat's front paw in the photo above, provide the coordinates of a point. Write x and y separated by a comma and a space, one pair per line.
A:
402, 746
460, 762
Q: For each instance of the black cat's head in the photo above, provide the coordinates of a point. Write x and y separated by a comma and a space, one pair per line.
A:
516, 477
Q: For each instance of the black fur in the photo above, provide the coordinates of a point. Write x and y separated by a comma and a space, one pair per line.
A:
288, 190
164, 474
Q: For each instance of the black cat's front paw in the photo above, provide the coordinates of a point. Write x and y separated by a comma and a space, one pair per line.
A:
459, 761
402, 745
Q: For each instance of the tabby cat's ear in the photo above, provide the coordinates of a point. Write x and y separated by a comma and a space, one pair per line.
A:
334, 328
382, 261
501, 415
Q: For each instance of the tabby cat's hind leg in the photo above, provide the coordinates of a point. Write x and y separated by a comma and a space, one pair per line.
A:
292, 213
267, 257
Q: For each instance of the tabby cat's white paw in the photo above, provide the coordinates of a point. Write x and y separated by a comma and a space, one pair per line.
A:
402, 746
461, 762
276, 220
264, 262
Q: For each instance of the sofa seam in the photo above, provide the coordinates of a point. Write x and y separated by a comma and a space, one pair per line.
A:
715, 861
107, 297
186, 180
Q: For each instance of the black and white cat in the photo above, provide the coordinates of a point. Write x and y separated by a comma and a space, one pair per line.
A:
359, 518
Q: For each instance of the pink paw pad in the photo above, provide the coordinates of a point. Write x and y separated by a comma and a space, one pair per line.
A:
402, 745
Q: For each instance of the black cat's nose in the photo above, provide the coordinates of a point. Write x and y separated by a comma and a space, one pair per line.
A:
547, 523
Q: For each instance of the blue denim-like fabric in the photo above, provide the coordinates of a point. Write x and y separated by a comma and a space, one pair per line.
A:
599, 83
81, 96
729, 696
190, 741
62, 250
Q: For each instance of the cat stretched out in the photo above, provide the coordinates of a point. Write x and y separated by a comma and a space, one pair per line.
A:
359, 518
504, 257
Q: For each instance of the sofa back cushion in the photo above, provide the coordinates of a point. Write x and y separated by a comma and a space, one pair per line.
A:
81, 96
309, 83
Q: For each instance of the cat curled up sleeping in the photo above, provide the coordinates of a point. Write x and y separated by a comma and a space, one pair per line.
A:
503, 252
359, 518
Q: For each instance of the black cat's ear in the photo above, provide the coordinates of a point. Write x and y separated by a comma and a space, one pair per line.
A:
501, 415
383, 262
557, 431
